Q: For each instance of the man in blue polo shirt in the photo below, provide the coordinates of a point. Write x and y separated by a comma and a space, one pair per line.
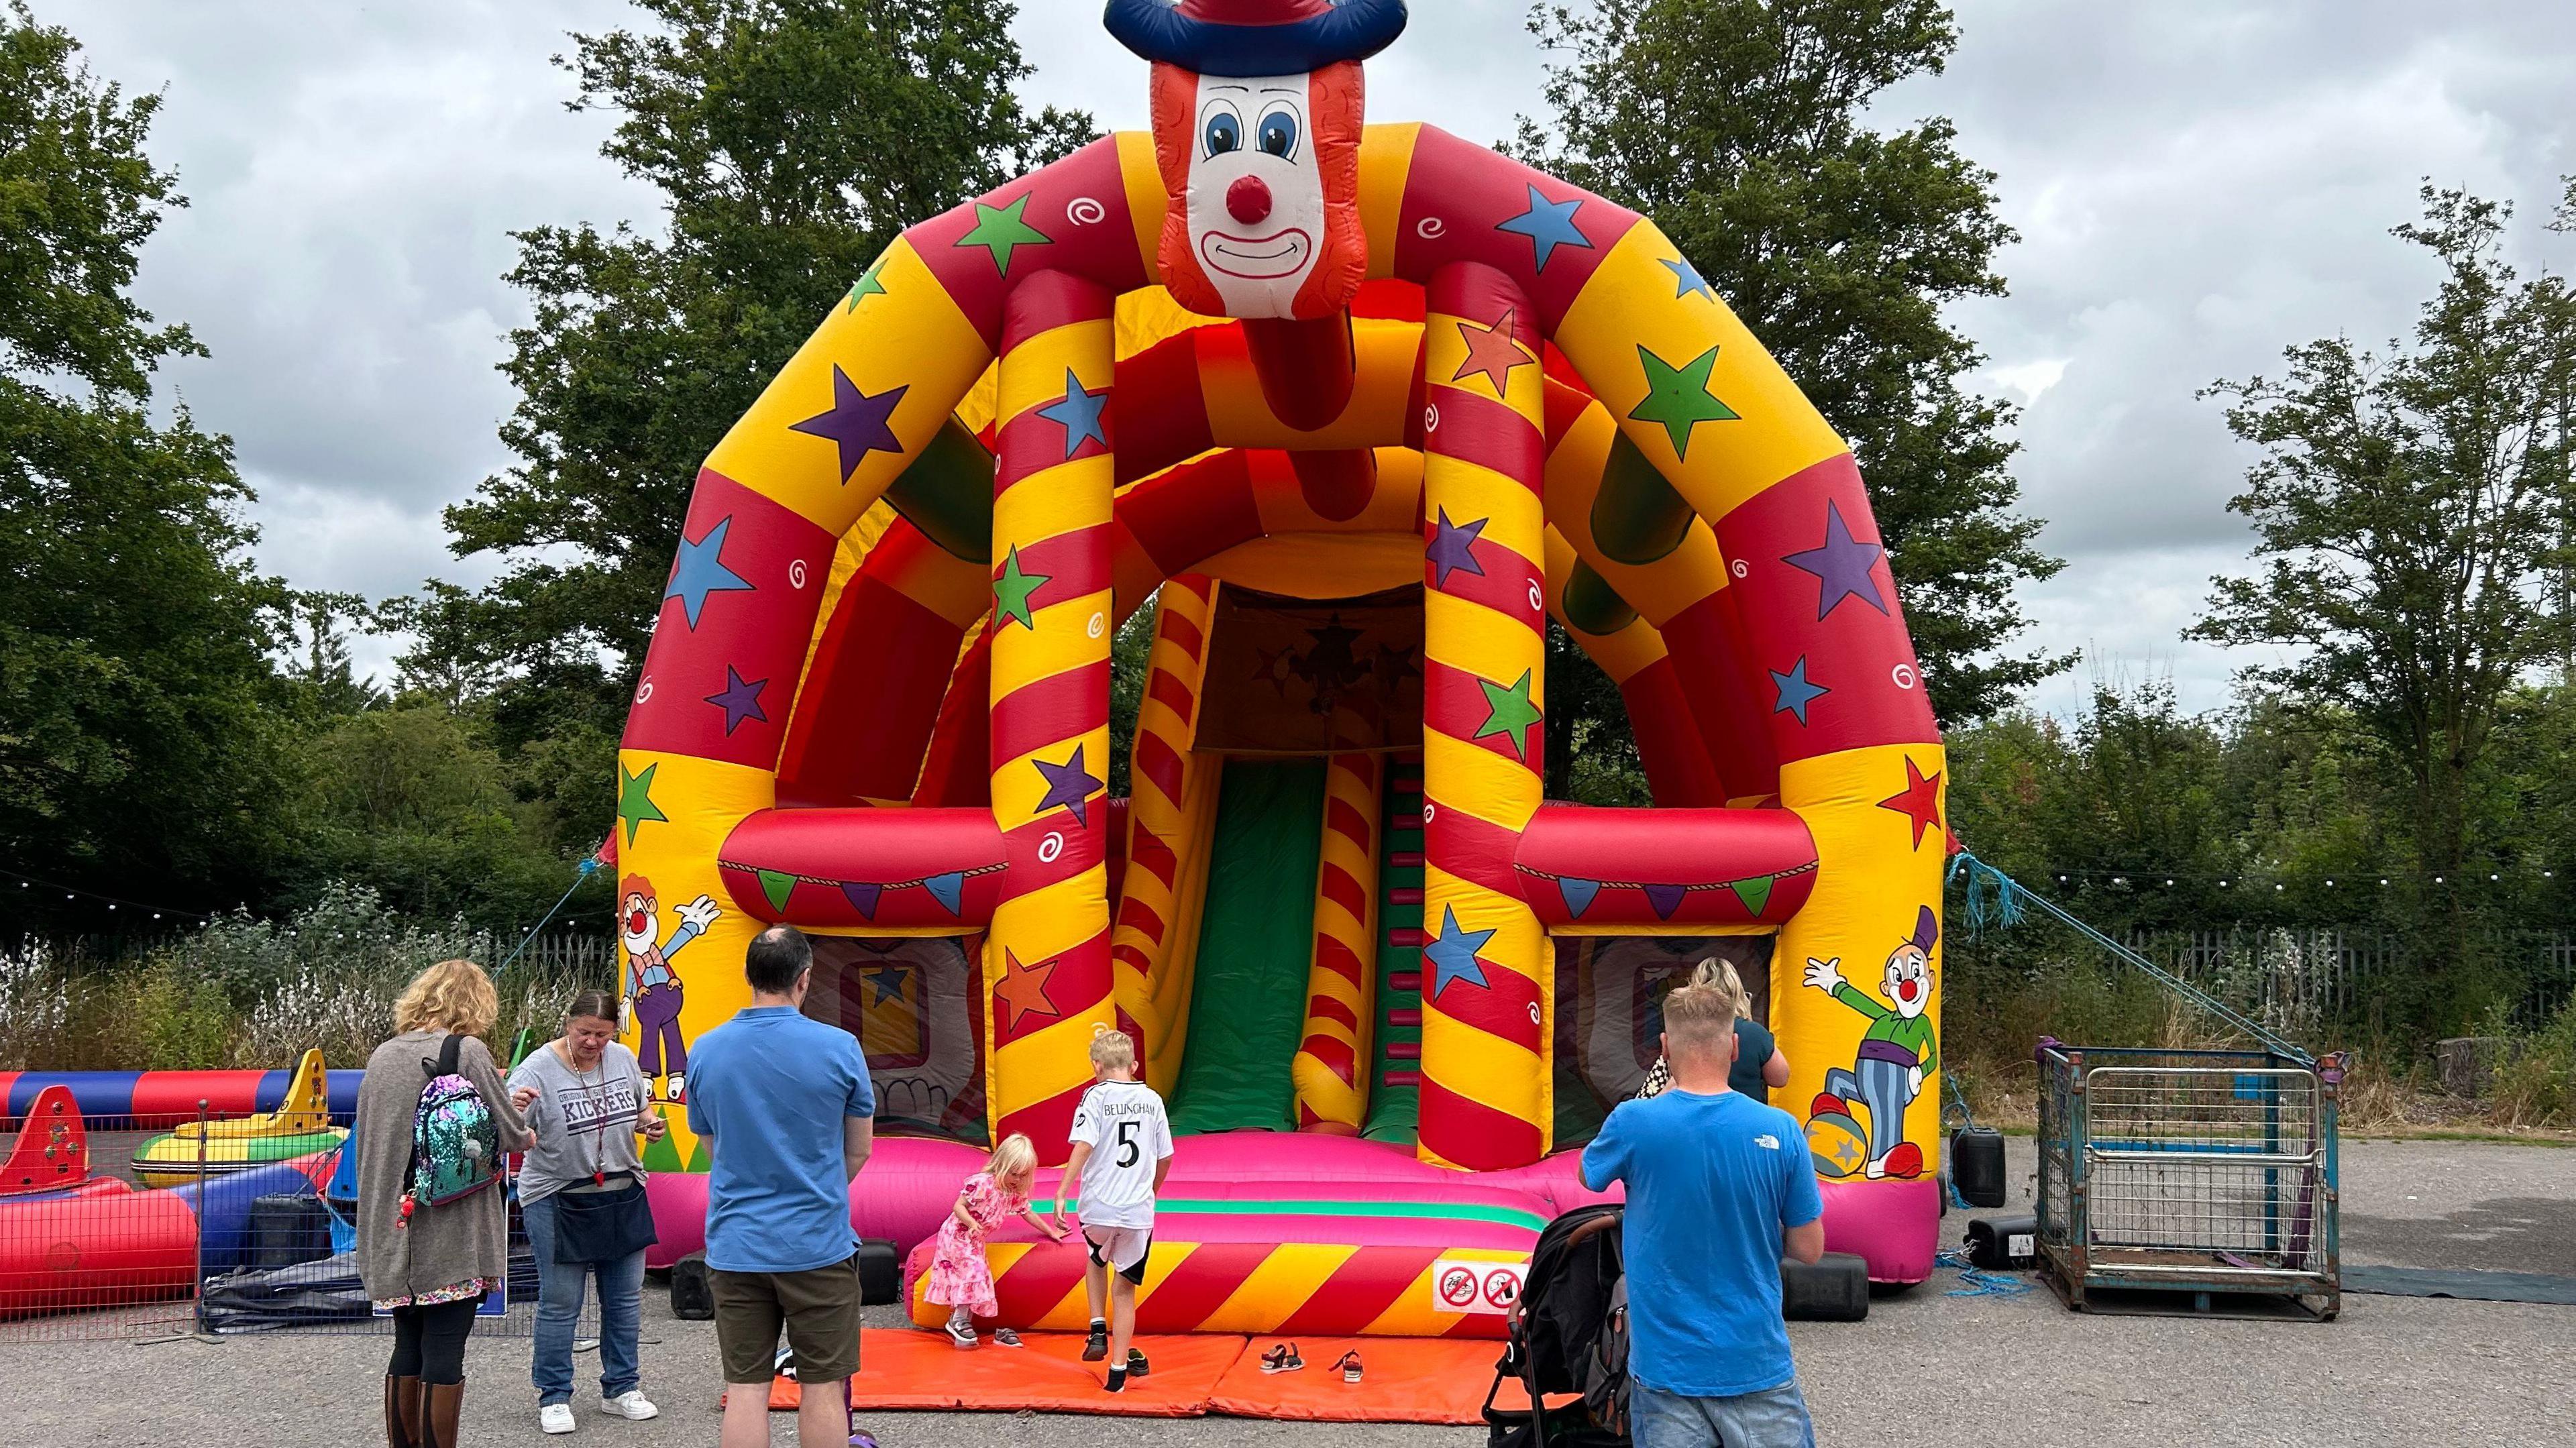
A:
1719, 1189
784, 1106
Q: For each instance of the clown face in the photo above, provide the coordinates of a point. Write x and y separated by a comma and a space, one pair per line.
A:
1908, 983
1264, 180
637, 924
1253, 156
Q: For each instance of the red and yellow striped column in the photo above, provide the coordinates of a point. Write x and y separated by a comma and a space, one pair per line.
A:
1487, 1096
1046, 960
1330, 1070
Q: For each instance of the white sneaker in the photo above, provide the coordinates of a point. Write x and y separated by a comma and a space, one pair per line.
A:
556, 1418
631, 1405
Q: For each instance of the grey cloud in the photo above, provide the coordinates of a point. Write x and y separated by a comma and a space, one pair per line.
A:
2197, 182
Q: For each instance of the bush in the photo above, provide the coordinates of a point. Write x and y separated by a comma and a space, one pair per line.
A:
2537, 1084
243, 994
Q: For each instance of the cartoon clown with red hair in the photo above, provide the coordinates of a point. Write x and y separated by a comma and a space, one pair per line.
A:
1257, 108
653, 991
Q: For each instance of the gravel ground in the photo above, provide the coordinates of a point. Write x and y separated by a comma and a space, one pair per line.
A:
1925, 1369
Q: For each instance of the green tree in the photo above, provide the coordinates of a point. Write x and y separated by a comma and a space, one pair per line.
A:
1740, 126
138, 756
791, 141
411, 802
2410, 510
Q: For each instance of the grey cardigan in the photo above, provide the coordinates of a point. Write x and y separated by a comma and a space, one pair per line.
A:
443, 1246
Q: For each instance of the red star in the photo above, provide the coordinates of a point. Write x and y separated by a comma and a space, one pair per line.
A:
1921, 801
1491, 351
1023, 990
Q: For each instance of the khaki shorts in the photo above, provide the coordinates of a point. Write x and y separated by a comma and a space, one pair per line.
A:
819, 1310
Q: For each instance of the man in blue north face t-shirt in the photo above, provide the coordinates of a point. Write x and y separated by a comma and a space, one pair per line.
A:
1719, 1189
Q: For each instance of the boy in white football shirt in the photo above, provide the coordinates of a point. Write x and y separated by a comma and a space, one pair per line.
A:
1122, 1150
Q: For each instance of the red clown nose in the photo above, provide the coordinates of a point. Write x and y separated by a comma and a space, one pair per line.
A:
1247, 200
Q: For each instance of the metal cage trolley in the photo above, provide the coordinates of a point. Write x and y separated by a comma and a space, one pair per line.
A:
2203, 1172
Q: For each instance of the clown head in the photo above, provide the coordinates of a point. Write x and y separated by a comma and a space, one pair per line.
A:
639, 910
1257, 118
1908, 982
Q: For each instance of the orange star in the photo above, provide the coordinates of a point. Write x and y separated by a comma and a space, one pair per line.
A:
1023, 990
1492, 351
1920, 802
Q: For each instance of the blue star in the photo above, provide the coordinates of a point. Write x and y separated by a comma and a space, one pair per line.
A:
1796, 693
1842, 565
1453, 548
1548, 225
701, 571
888, 980
740, 700
1686, 279
1453, 954
1078, 413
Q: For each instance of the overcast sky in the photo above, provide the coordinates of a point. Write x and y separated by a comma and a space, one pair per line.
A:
2196, 182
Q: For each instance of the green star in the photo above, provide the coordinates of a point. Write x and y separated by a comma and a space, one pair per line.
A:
1011, 592
1509, 711
635, 800
868, 285
999, 230
1678, 397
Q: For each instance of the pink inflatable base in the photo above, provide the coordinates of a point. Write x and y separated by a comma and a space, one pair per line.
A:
910, 1183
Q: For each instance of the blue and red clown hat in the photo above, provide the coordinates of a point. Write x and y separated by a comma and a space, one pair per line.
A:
1255, 37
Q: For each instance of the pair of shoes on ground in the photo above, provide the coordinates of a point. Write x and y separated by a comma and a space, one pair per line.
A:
631, 1405
962, 1337
1285, 1358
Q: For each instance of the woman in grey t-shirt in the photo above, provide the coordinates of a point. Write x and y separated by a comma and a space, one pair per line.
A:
587, 1101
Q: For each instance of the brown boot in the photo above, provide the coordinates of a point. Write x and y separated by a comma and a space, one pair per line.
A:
440, 1403
402, 1409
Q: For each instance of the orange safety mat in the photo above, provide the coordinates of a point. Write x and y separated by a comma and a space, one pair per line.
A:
1402, 1380
902, 1368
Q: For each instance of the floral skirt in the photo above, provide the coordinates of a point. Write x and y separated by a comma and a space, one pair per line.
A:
959, 1276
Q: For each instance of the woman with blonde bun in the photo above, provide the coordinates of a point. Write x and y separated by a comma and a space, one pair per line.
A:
1759, 1064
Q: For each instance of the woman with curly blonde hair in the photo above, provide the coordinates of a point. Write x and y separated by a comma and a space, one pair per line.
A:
430, 1265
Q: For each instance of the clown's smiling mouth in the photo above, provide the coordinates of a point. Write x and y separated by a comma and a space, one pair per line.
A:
1257, 258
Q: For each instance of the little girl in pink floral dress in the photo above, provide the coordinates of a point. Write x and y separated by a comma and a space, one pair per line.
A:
960, 1279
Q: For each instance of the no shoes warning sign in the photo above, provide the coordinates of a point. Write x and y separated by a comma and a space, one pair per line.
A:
1460, 1284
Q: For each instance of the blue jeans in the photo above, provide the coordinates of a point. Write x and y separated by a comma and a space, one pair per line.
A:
560, 1288
1772, 1418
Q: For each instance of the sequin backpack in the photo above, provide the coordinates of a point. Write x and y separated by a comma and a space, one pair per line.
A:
455, 1145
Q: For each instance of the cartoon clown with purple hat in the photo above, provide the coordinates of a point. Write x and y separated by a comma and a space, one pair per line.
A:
1895, 1051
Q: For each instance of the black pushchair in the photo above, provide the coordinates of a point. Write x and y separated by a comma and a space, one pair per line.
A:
1569, 1334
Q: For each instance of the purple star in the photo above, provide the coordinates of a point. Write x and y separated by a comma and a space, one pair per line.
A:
1068, 785
858, 422
740, 700
1843, 564
1453, 548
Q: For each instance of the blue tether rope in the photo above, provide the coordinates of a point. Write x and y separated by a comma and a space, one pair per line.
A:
1995, 896
587, 868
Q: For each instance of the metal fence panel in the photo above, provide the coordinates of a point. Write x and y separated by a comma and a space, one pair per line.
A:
164, 1231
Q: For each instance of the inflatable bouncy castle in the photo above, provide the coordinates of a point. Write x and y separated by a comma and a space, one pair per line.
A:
1354, 410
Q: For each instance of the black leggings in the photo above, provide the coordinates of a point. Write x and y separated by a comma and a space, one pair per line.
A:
429, 1342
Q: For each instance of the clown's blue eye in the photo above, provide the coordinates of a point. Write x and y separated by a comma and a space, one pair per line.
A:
1224, 133
1279, 134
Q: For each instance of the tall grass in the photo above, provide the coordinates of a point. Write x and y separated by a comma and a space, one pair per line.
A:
241, 993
